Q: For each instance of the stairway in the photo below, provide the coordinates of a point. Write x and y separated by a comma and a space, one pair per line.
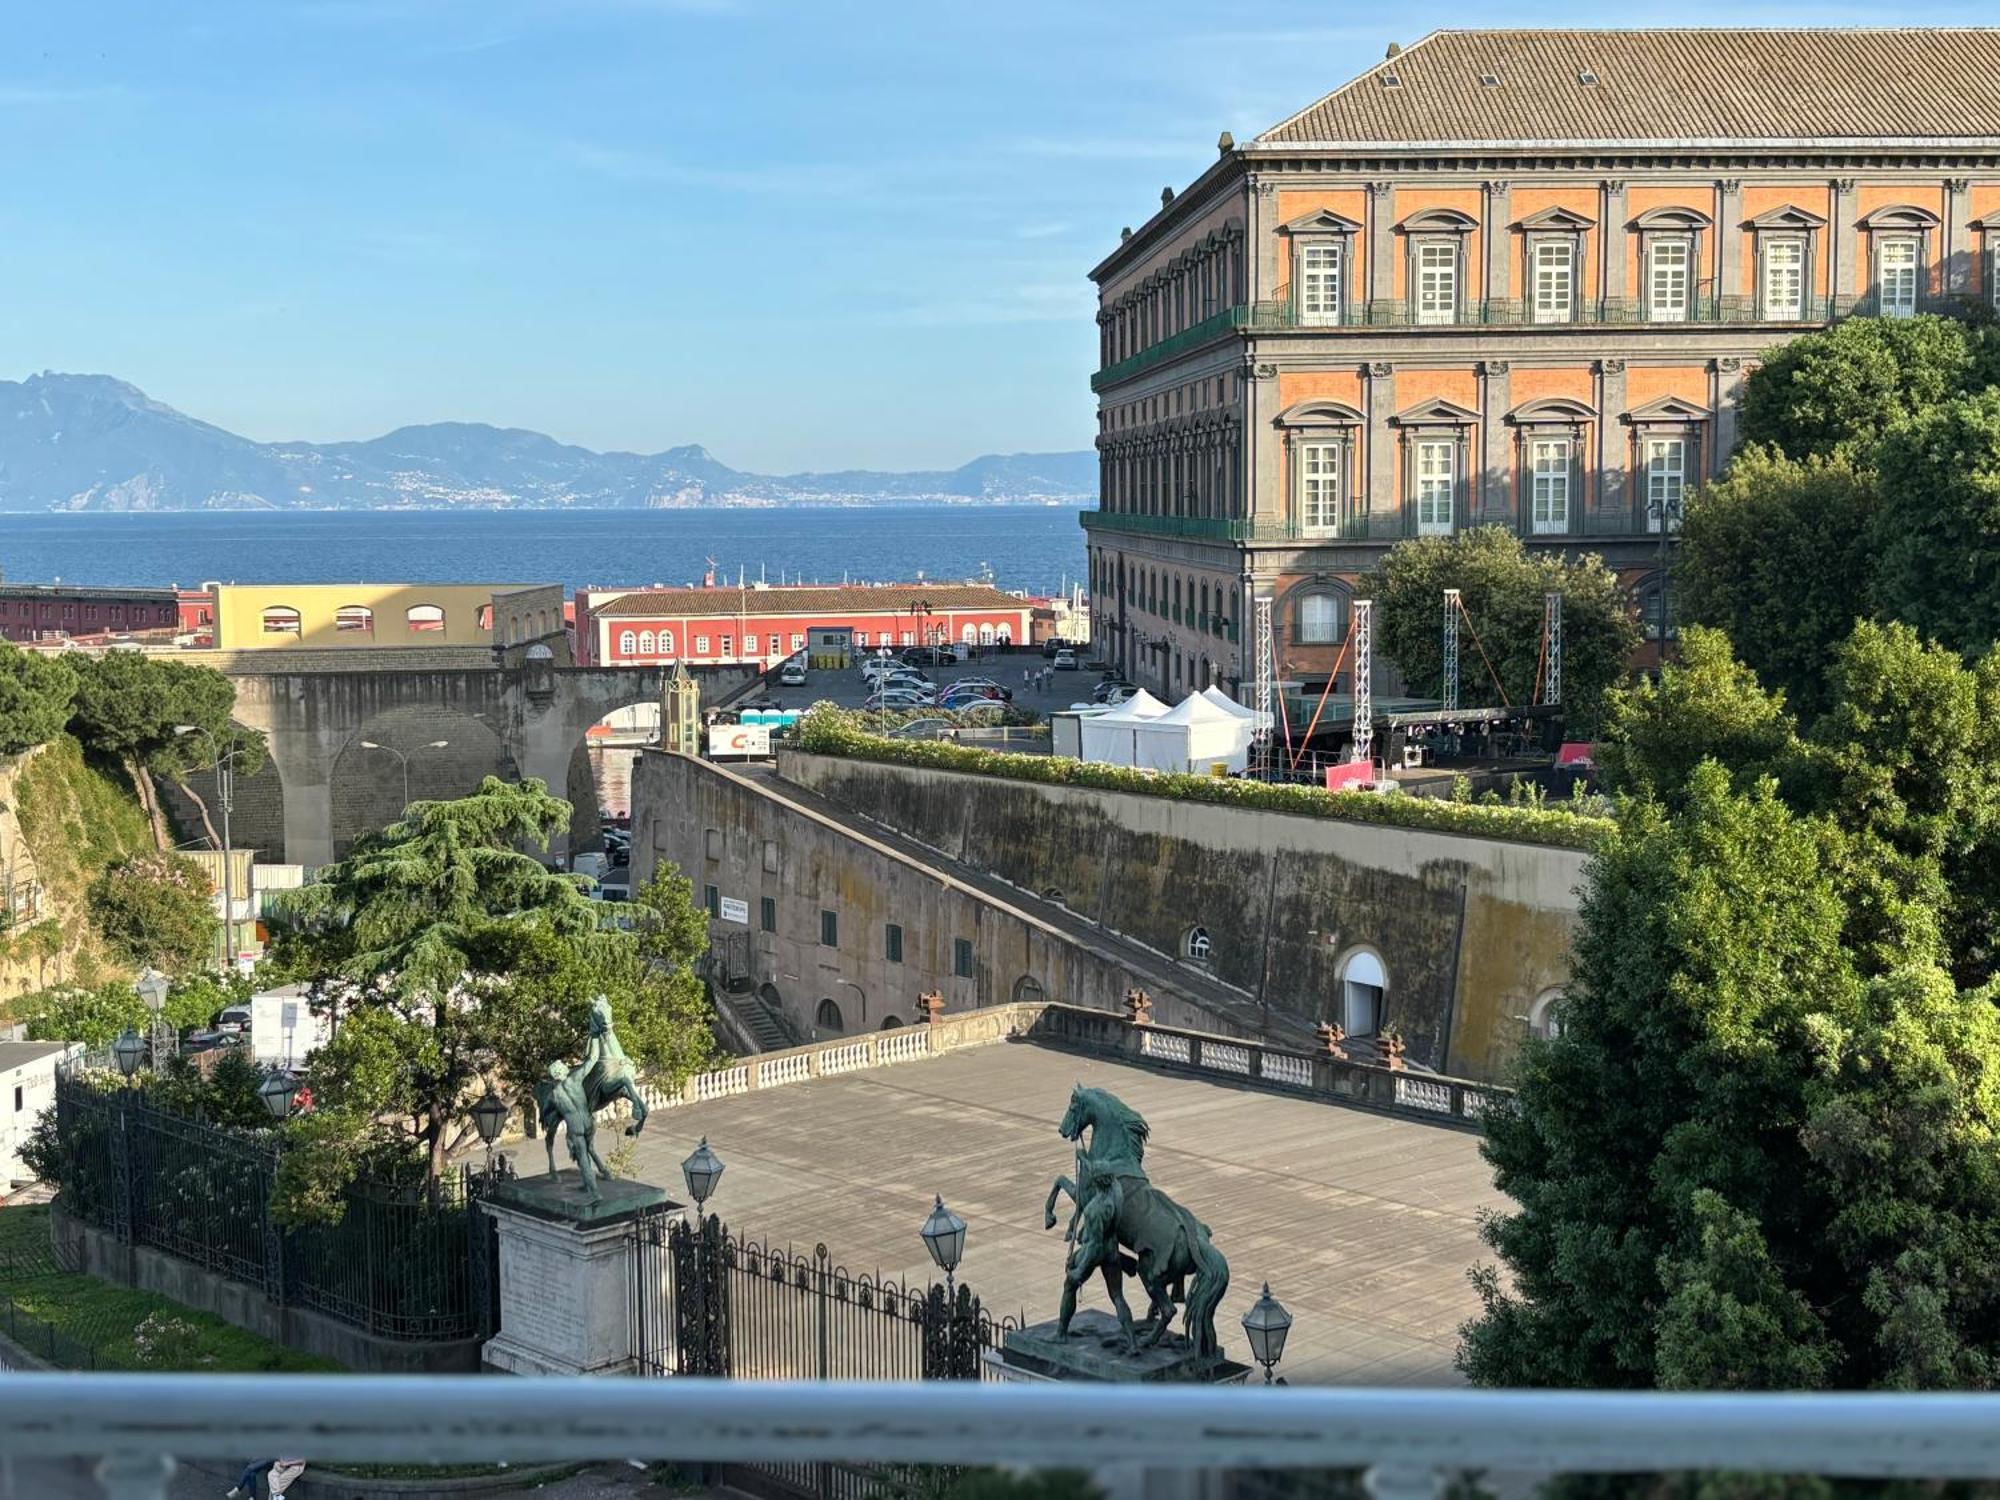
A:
753, 1017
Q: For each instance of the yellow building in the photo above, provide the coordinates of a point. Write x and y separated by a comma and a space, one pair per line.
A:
348, 616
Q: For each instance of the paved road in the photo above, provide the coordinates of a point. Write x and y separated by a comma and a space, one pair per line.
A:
1010, 670
22, 1480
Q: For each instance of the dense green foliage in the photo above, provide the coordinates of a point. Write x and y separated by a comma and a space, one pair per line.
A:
1938, 532
157, 911
35, 694
95, 1014
1838, 392
829, 730
1503, 588
1779, 554
452, 960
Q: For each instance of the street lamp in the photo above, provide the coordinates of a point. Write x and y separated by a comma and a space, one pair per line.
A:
1267, 1323
224, 764
277, 1092
488, 1115
1668, 510
703, 1170
944, 1236
151, 987
127, 1051
404, 760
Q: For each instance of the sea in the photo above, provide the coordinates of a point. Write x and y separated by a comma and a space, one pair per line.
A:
1035, 548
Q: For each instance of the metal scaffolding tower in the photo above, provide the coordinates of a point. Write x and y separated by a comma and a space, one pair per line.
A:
1552, 636
1363, 640
1451, 612
1266, 672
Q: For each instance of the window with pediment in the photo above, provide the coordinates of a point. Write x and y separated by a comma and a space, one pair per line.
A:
1786, 245
1322, 268
1899, 241
1554, 242
1436, 271
1670, 241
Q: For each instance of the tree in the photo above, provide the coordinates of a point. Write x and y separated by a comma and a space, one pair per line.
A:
1778, 554
1937, 532
78, 1013
1835, 393
35, 694
454, 960
132, 706
157, 911
1705, 706
1503, 589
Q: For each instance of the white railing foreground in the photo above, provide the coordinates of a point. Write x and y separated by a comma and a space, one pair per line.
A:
1409, 1440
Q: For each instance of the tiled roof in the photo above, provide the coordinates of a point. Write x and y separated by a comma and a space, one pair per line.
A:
848, 599
1683, 85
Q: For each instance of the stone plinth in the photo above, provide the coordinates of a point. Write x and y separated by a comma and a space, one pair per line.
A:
566, 1275
1095, 1350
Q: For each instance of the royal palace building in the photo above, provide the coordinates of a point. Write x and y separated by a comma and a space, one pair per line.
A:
1507, 278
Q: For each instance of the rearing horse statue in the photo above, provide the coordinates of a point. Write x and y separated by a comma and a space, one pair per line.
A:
607, 1077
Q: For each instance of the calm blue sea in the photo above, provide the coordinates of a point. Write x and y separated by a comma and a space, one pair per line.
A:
1027, 547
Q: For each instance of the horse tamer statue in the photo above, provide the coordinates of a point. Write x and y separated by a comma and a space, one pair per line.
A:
572, 1096
1123, 1225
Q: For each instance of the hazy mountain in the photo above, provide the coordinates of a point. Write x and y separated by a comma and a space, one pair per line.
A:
88, 442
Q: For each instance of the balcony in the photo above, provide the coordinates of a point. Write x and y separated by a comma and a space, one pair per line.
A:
1281, 315
1137, 1440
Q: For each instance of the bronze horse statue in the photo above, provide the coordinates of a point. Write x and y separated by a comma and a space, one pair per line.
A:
607, 1078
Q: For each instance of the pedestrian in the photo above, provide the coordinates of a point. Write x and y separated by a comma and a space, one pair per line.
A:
278, 1473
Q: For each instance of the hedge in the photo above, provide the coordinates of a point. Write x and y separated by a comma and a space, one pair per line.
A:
826, 730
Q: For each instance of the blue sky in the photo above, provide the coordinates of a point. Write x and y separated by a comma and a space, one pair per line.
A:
807, 233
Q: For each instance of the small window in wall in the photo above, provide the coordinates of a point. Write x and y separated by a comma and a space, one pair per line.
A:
770, 856
701, 645
485, 619
424, 618
827, 1017
711, 842
628, 642
17, 1099
356, 618
798, 642
767, 914
829, 929
645, 643
712, 899
1362, 988
1319, 620
279, 619
1196, 945
892, 943
1545, 1015
961, 957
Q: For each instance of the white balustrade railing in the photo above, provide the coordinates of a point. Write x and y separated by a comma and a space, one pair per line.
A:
1410, 1442
1280, 1067
1226, 1057
903, 1044
1421, 1093
1165, 1045
844, 1059
790, 1068
722, 1082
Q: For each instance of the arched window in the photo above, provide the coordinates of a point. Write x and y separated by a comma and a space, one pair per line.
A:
890, 1023
1004, 635
1363, 987
645, 643
827, 1017
971, 635
545, 622
1545, 1015
354, 618
424, 618
1195, 944
281, 619
667, 643
986, 635
628, 643
1028, 991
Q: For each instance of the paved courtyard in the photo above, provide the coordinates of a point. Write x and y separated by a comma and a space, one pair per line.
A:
1364, 1224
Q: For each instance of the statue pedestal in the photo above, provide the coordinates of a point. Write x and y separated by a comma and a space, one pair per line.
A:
566, 1270
1095, 1350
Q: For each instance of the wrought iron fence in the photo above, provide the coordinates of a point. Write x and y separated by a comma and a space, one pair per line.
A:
413, 1263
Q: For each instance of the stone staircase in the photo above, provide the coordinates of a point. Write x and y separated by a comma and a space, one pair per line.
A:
754, 1019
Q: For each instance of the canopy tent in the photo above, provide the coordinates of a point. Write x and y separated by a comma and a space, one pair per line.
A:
1197, 734
1109, 737
1223, 701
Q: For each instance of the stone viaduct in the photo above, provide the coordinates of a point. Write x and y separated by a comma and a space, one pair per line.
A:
452, 715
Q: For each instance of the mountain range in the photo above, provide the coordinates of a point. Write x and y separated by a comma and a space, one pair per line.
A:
94, 443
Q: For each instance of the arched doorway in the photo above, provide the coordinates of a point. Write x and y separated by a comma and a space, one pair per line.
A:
890, 1023
827, 1019
1028, 991
1364, 986
1545, 1015
600, 774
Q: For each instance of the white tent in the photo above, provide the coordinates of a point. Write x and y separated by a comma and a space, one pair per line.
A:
1223, 701
1195, 735
1109, 737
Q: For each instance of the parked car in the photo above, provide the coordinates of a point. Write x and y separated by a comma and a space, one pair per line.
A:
920, 729
1065, 660
992, 688
1056, 643
233, 1020
930, 656
895, 699
793, 675
1103, 691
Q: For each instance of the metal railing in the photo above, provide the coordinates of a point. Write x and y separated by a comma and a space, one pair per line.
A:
1627, 520
1409, 1443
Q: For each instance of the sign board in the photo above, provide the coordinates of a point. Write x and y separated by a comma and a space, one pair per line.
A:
739, 739
1350, 775
735, 911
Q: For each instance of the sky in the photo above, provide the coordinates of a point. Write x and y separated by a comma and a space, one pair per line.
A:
804, 233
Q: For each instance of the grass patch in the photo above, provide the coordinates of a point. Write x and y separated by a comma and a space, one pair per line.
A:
99, 1325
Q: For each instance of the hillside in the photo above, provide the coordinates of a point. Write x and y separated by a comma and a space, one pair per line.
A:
93, 443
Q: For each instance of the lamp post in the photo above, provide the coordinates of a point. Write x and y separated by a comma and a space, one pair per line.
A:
944, 1236
151, 987
1667, 510
127, 1051
488, 1115
224, 765
1267, 1324
277, 1091
404, 760
703, 1170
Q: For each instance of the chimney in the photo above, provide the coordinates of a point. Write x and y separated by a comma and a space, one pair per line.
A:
1225, 143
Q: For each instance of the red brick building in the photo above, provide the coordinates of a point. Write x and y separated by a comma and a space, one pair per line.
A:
755, 623
51, 611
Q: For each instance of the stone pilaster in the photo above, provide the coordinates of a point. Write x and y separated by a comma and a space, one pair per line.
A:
1381, 449
1265, 499
1265, 250
1728, 387
1845, 247
1495, 383
1612, 499
1729, 238
1499, 240
1611, 241
1961, 264
1381, 241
